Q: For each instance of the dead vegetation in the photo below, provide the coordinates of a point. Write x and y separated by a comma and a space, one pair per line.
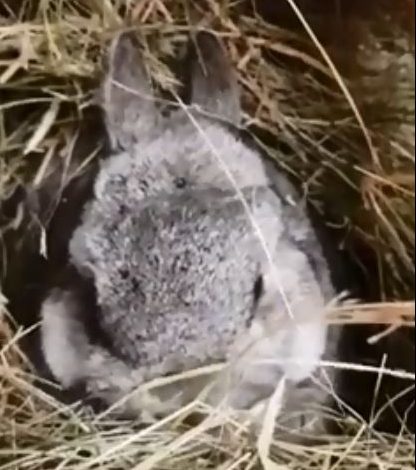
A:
329, 95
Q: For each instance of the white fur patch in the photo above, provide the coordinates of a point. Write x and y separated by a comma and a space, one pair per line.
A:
63, 350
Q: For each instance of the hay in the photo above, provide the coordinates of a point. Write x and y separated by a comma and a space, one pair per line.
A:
37, 432
337, 118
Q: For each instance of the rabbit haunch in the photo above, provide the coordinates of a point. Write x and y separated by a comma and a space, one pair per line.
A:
175, 257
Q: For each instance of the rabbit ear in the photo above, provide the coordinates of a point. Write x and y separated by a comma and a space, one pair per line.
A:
126, 93
214, 83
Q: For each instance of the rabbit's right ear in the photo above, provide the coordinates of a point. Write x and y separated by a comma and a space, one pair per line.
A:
213, 80
126, 93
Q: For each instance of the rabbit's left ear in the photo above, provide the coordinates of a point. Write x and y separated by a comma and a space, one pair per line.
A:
213, 80
126, 93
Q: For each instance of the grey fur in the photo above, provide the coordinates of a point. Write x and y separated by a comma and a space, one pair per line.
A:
214, 84
126, 93
175, 256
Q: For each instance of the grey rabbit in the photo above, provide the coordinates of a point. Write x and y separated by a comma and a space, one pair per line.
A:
198, 251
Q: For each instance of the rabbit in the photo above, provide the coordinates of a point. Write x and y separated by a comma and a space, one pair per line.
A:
191, 251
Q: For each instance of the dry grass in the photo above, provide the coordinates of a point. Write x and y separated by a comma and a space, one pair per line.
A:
37, 432
343, 127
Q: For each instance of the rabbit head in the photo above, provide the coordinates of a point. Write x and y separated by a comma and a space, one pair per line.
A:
188, 247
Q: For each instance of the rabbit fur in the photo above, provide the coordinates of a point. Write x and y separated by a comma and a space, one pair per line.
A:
198, 253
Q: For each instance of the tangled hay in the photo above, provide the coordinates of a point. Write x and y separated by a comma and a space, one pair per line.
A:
334, 111
37, 432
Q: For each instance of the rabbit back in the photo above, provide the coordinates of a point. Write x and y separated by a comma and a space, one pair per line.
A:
168, 264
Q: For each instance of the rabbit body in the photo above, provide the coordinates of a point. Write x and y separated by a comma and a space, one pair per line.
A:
185, 273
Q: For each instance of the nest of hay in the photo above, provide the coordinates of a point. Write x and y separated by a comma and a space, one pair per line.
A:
328, 93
